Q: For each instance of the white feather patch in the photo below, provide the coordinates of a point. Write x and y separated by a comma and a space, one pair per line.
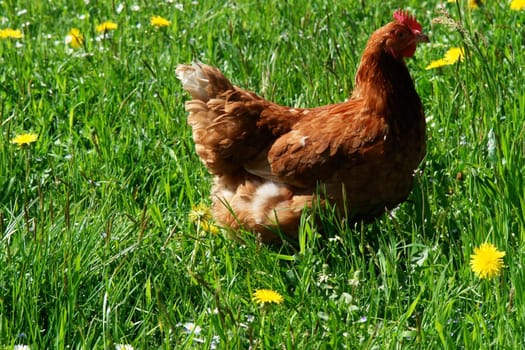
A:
262, 196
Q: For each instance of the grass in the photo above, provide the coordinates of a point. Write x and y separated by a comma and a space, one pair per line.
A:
97, 247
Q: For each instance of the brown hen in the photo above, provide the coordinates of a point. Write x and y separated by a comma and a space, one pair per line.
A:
269, 162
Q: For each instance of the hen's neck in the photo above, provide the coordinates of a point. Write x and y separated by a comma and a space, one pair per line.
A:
383, 81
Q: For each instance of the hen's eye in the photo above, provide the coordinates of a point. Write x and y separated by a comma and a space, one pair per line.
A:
400, 35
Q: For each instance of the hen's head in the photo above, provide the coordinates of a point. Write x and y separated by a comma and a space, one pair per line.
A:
400, 37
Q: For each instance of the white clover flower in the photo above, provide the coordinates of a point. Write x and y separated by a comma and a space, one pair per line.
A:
123, 347
21, 347
190, 327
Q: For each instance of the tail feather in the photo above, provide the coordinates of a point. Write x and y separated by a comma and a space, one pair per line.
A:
203, 82
223, 119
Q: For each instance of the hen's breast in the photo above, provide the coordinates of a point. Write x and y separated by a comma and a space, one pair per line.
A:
385, 177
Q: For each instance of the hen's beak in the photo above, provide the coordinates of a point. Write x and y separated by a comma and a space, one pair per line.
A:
422, 38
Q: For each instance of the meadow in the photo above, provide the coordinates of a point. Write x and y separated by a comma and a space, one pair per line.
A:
106, 242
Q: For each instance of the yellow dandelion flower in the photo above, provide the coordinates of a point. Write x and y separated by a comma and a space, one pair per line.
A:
487, 260
24, 139
454, 54
473, 4
436, 64
451, 56
9, 33
200, 213
209, 227
105, 27
158, 21
214, 229
75, 38
263, 296
517, 5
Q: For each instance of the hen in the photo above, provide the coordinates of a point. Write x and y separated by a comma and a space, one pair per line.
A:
269, 162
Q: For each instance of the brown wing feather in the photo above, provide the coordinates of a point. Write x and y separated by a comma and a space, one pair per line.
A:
336, 136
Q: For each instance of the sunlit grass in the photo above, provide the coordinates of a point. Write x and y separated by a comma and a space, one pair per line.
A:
103, 242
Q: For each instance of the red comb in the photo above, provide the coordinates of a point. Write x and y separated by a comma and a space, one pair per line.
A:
404, 17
